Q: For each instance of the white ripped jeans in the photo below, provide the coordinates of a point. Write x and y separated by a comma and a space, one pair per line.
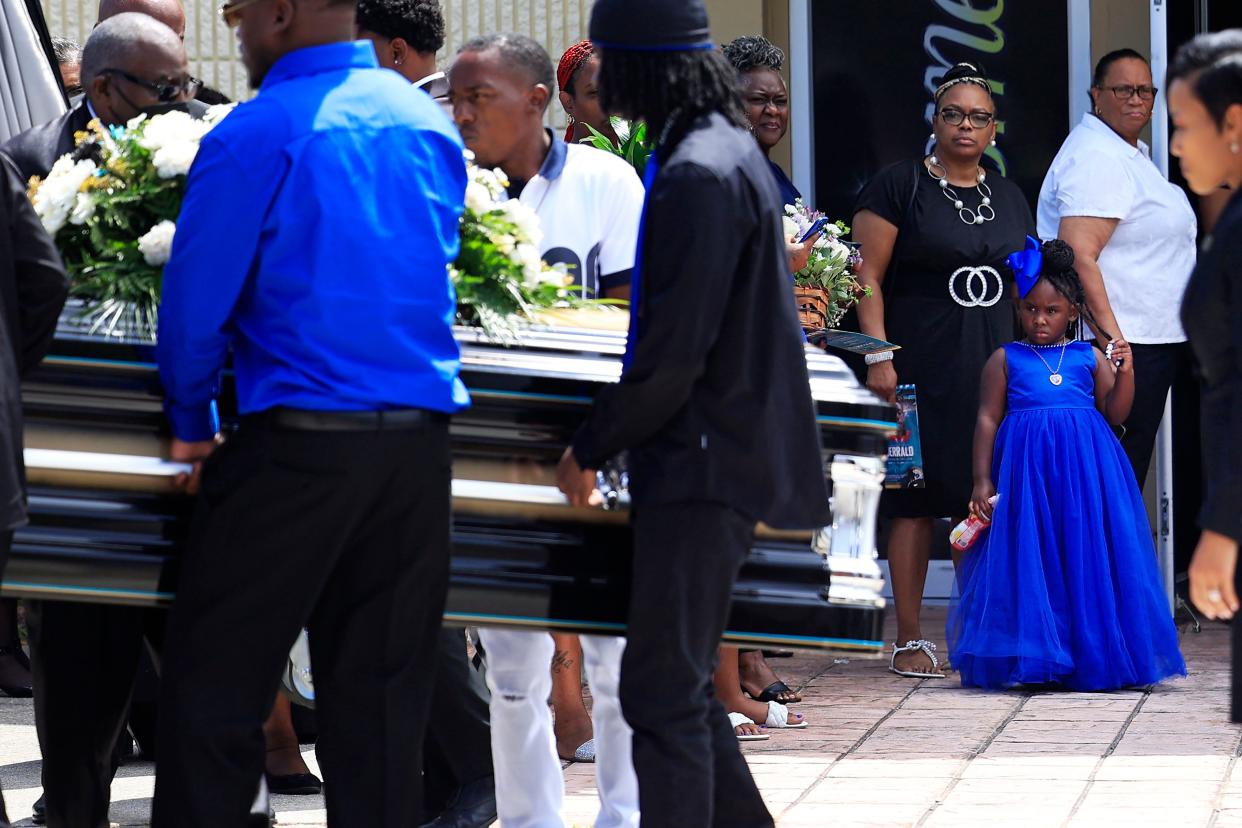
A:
530, 787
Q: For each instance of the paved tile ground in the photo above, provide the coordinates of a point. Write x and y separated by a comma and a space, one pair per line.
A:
887, 751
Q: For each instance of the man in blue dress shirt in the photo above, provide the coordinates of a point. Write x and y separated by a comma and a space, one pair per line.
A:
313, 243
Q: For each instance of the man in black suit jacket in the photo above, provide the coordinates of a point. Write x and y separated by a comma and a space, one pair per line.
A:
33, 287
85, 656
131, 63
713, 405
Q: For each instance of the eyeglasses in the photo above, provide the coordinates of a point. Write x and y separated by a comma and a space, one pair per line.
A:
764, 101
1125, 92
978, 119
229, 12
164, 91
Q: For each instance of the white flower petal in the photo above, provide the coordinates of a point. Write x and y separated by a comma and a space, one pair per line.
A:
156, 244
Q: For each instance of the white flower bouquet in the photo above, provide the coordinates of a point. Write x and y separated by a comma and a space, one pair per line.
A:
111, 205
500, 277
827, 286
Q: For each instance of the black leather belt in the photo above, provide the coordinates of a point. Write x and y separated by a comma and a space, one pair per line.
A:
297, 419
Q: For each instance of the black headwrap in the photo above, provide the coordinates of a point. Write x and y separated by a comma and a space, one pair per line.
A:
650, 25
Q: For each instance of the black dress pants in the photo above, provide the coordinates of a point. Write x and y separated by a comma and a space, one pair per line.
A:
459, 734
1156, 367
83, 658
347, 534
6, 543
690, 770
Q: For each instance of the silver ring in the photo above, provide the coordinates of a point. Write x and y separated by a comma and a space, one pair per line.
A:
1214, 595
978, 287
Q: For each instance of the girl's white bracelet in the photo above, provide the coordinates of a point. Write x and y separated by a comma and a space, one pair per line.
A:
876, 359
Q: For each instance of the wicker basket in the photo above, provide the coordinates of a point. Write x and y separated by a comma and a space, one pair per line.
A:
813, 306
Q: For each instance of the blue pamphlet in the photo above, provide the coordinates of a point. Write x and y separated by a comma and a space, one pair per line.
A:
905, 449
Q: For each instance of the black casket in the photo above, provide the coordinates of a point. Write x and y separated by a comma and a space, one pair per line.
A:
106, 523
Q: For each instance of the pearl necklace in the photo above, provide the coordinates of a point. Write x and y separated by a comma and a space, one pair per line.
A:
1055, 378
967, 215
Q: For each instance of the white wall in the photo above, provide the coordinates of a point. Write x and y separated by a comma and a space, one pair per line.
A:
556, 24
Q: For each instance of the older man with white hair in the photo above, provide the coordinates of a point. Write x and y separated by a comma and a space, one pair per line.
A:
132, 63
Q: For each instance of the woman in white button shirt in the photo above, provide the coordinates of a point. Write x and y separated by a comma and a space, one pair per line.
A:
1133, 235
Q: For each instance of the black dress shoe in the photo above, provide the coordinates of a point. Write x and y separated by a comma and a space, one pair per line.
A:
473, 806
39, 815
16, 691
294, 784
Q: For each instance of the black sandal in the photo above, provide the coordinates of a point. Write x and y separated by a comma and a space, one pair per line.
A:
773, 693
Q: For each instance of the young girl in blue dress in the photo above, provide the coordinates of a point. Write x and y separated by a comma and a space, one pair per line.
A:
1063, 589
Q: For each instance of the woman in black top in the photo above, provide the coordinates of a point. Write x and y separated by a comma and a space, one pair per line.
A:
1205, 102
935, 233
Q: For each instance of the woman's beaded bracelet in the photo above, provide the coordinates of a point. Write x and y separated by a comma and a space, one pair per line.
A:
876, 359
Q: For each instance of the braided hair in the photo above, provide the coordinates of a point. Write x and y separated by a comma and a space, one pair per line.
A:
1058, 270
961, 73
658, 87
753, 52
573, 59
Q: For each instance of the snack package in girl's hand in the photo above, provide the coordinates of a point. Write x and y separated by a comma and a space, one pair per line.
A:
905, 448
970, 530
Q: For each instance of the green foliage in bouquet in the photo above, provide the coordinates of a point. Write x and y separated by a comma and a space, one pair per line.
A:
111, 207
634, 147
832, 266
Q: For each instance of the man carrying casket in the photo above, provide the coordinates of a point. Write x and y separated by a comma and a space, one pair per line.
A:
313, 243
713, 405
33, 287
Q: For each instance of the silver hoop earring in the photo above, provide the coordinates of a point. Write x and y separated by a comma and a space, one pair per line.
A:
1233, 147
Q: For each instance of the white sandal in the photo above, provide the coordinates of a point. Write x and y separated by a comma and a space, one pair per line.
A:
736, 720
778, 717
927, 647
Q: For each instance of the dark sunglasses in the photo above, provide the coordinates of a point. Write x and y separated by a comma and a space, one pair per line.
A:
164, 92
230, 13
954, 117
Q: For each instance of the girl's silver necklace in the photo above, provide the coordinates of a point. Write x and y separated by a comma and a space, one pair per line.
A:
1055, 378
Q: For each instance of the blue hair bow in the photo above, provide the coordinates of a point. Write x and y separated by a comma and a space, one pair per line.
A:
1026, 265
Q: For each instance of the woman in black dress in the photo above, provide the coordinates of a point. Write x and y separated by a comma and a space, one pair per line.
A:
935, 233
1205, 102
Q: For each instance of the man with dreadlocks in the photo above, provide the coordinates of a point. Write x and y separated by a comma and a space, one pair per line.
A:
713, 403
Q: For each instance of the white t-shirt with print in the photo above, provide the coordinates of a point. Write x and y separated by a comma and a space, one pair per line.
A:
1148, 261
589, 215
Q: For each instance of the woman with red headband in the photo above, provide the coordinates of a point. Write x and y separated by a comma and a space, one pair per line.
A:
575, 75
